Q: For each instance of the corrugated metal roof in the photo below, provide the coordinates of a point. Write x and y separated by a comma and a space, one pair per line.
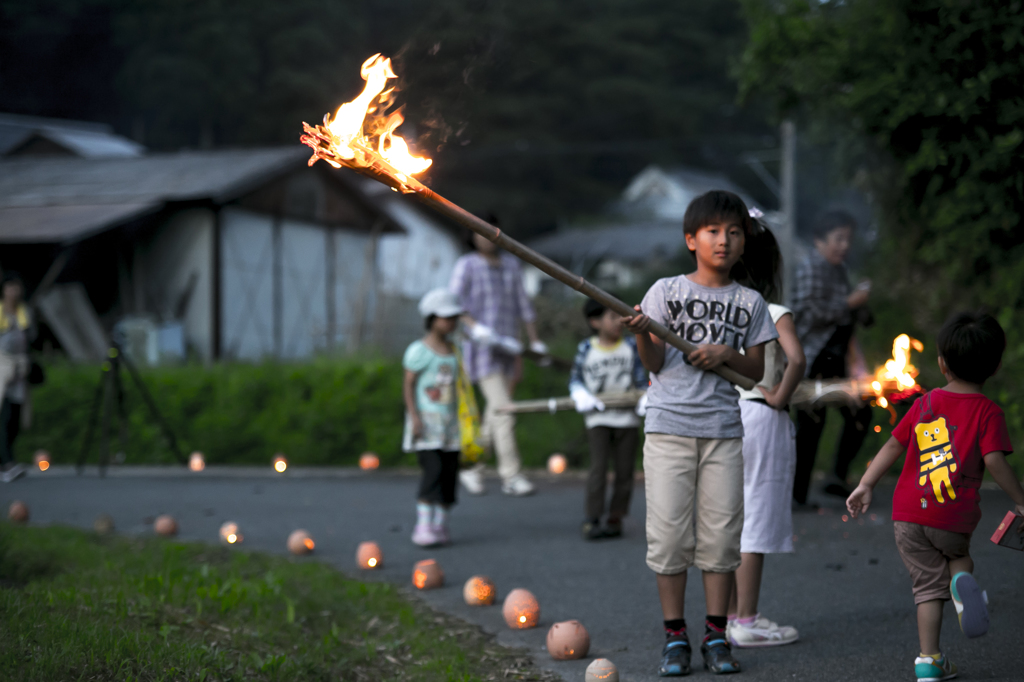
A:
82, 138
630, 242
95, 193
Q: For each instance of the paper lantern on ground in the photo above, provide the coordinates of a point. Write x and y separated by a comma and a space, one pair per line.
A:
368, 461
103, 525
18, 512
602, 670
479, 591
299, 542
42, 460
196, 461
568, 640
521, 609
557, 463
229, 533
427, 575
369, 556
165, 525
280, 463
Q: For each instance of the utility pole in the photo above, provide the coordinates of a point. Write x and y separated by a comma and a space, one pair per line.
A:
787, 205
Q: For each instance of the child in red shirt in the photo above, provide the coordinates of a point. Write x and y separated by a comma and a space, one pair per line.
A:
951, 436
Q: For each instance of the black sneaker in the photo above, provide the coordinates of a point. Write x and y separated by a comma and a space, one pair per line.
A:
718, 656
592, 530
675, 659
612, 528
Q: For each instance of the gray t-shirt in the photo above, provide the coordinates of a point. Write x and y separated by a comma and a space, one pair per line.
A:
684, 400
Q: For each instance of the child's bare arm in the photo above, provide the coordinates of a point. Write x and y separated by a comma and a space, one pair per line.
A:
860, 499
650, 348
749, 364
778, 396
1001, 472
409, 396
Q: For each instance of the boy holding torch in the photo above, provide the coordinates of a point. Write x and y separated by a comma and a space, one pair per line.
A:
693, 453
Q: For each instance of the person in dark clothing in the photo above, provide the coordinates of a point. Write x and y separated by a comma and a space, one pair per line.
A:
825, 311
16, 332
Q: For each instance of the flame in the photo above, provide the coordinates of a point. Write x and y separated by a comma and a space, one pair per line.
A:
419, 579
43, 465
231, 538
280, 464
369, 461
357, 132
371, 562
522, 619
308, 542
556, 464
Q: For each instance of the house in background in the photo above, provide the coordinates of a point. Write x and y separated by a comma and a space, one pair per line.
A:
34, 136
643, 229
233, 254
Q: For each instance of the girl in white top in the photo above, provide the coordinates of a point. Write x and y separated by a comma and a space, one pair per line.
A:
769, 456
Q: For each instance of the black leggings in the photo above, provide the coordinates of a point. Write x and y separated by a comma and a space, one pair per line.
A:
10, 425
440, 476
617, 446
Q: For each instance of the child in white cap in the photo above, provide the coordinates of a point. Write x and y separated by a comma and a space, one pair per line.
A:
431, 415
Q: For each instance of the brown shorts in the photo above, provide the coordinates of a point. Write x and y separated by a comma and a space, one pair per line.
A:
926, 552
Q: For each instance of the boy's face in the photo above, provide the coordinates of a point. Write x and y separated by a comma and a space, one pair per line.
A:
835, 245
608, 325
718, 246
445, 325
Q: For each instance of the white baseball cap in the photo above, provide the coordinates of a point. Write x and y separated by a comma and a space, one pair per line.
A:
440, 302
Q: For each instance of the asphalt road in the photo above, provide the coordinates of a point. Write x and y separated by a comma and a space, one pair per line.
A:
845, 588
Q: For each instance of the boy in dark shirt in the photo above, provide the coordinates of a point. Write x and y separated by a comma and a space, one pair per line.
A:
951, 436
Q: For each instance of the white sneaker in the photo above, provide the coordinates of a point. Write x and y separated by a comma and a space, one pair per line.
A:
517, 486
472, 480
762, 632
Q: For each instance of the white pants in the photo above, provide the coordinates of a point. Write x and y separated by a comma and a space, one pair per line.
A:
769, 463
498, 431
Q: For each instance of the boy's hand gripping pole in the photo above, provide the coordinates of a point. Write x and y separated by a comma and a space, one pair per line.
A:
545, 264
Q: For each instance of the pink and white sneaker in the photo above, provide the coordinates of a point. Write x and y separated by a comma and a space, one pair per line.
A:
424, 536
760, 633
441, 533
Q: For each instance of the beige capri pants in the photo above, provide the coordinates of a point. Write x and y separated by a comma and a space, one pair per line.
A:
694, 489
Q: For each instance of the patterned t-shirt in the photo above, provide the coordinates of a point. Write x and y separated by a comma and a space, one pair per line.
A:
684, 400
435, 399
608, 370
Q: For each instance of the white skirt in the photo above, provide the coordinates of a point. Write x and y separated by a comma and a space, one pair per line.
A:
769, 463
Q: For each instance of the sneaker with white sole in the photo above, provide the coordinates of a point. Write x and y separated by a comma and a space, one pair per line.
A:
931, 669
517, 486
762, 632
425, 536
472, 479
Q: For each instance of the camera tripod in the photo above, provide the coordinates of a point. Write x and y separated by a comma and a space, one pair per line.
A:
110, 396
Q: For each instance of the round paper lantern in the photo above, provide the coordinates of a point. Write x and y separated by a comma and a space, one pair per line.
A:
18, 512
369, 556
368, 461
479, 591
103, 525
299, 542
196, 461
557, 463
229, 533
42, 459
602, 670
521, 610
280, 463
568, 640
427, 575
165, 525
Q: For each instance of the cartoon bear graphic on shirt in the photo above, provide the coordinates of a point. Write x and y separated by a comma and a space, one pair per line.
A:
937, 461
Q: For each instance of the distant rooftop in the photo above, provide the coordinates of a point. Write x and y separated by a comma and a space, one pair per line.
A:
639, 242
663, 194
35, 136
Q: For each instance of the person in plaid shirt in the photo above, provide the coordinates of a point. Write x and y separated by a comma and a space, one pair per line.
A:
489, 286
825, 310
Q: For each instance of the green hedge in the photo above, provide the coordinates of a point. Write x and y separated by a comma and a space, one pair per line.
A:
327, 411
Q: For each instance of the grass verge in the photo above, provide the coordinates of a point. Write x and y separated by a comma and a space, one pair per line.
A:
78, 606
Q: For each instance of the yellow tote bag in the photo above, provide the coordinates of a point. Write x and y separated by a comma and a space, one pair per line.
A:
469, 414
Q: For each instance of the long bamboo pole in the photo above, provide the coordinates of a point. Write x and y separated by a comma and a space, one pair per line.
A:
372, 165
545, 264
